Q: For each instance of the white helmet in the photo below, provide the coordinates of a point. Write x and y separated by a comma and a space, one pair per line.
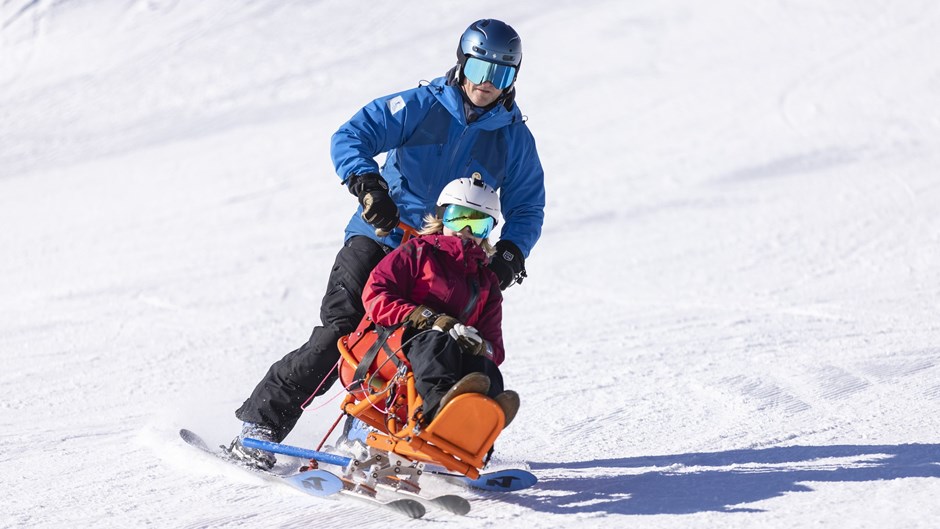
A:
473, 193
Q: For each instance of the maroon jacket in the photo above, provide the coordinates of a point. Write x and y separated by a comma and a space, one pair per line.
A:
438, 271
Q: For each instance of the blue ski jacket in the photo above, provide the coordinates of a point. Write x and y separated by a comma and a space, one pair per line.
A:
429, 143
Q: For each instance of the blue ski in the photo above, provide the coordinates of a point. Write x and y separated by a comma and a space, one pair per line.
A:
507, 480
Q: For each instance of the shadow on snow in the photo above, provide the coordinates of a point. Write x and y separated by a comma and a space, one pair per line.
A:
720, 481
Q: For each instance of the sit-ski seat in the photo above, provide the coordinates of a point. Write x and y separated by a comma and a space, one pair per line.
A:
384, 397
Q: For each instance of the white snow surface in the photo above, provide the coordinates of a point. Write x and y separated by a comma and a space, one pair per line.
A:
731, 318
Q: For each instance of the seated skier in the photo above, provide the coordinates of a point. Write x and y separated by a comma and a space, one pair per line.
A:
439, 285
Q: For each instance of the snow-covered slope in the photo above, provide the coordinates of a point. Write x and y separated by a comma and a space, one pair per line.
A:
730, 320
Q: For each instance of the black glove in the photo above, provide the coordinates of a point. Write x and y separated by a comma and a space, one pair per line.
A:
378, 209
422, 318
508, 264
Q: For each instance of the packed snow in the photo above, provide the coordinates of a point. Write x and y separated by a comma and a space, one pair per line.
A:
730, 319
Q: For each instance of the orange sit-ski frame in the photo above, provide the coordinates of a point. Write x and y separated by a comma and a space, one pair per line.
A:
461, 434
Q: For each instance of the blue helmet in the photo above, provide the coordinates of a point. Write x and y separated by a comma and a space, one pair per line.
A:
493, 42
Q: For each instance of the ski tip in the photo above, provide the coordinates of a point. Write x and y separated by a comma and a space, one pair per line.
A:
504, 480
453, 503
193, 439
410, 508
316, 482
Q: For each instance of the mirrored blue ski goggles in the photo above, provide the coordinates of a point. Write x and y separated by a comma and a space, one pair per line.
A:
457, 217
480, 71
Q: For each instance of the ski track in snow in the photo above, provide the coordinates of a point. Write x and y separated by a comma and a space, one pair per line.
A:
730, 319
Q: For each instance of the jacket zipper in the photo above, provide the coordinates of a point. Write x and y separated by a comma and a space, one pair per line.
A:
474, 296
453, 157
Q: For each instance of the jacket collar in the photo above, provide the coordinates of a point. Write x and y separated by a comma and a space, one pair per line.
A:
449, 93
470, 256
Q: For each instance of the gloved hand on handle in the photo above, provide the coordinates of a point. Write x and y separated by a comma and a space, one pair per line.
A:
508, 264
378, 208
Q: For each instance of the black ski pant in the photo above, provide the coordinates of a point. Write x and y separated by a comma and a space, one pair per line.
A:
277, 399
438, 363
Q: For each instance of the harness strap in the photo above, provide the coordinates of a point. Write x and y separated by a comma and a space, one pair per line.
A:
381, 343
387, 349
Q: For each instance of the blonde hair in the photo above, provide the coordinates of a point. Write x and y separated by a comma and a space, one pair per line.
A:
433, 224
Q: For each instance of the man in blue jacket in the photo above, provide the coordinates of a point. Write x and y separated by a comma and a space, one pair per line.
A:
464, 123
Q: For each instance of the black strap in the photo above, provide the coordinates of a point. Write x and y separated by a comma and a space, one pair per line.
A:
362, 370
391, 354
